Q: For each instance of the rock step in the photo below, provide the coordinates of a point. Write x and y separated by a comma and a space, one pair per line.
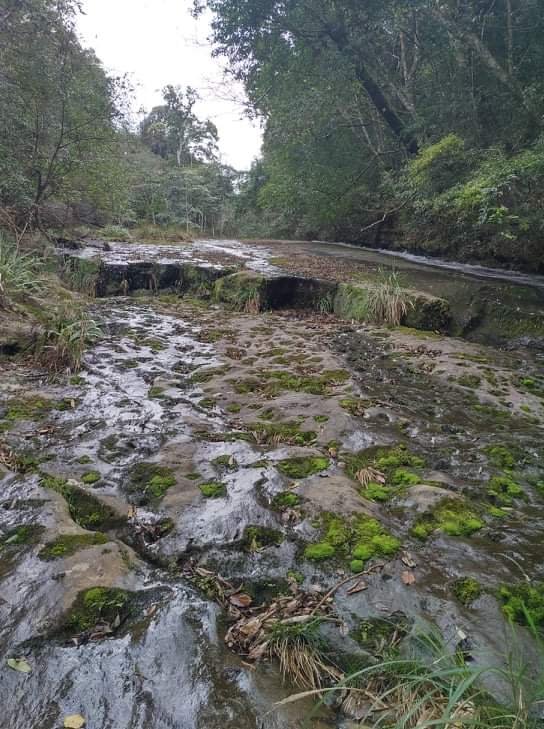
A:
253, 292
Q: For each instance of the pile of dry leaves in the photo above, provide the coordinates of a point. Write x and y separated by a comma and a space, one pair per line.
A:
285, 628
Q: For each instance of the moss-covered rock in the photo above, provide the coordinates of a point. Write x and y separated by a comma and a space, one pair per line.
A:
213, 490
503, 489
396, 466
97, 605
303, 466
242, 291
357, 540
91, 477
454, 517
259, 537
286, 432
423, 311
21, 536
68, 544
467, 590
149, 482
86, 510
285, 500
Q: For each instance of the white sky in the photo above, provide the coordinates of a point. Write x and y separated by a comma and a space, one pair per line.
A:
158, 42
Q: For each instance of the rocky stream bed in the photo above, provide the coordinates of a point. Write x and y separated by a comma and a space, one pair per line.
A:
206, 462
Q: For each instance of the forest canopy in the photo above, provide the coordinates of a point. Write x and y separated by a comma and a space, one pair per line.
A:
418, 120
408, 124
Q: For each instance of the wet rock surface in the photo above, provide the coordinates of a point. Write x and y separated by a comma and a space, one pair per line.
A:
251, 446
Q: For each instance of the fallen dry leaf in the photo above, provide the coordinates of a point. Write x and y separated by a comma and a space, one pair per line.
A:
241, 600
408, 577
20, 665
357, 587
74, 721
408, 560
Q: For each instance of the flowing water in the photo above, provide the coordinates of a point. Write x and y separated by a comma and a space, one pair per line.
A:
176, 383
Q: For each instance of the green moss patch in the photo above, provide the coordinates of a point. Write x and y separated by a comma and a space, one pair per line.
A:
25, 409
156, 392
470, 381
523, 603
379, 636
357, 540
86, 510
285, 500
502, 457
97, 605
213, 490
21, 536
451, 516
208, 403
276, 433
257, 538
467, 590
503, 490
205, 375
68, 544
271, 383
149, 482
91, 477
399, 467
225, 463
354, 405
303, 467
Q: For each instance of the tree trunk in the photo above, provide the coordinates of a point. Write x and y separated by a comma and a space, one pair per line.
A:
376, 95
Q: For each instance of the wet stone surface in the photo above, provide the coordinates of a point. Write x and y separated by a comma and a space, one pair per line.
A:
236, 442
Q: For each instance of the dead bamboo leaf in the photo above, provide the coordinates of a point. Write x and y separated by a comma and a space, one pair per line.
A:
357, 587
19, 664
241, 600
408, 559
74, 721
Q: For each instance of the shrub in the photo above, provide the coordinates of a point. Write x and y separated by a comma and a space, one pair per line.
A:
116, 233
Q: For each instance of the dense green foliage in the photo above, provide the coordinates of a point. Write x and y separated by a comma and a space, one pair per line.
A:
68, 154
417, 120
59, 114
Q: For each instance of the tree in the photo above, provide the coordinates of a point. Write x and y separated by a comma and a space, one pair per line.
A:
59, 111
173, 130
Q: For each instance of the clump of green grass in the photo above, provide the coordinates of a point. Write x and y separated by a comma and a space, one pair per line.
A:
301, 652
524, 603
20, 273
65, 339
388, 302
429, 685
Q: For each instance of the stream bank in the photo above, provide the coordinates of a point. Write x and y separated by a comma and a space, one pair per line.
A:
198, 437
